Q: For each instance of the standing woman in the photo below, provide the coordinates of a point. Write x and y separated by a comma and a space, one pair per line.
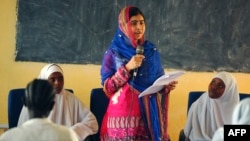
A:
126, 71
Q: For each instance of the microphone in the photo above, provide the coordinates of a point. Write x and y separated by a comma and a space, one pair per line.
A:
139, 50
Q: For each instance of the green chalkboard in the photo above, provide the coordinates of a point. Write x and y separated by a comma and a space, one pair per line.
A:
194, 35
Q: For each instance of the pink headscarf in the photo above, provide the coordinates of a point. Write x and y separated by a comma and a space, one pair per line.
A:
125, 26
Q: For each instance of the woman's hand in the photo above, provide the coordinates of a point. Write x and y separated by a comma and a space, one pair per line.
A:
171, 86
134, 62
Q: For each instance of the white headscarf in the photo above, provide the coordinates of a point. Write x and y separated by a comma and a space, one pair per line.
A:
48, 70
241, 115
206, 115
225, 104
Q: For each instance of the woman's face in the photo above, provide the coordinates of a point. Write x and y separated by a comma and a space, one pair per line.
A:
216, 88
138, 26
57, 81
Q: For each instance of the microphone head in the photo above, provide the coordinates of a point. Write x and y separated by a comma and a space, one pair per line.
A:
139, 49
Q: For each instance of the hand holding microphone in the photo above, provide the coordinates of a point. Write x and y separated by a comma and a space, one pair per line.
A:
136, 61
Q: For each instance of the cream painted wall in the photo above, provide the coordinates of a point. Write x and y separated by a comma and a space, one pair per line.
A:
82, 78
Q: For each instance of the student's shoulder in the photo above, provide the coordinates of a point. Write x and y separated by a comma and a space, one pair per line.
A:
8, 135
62, 131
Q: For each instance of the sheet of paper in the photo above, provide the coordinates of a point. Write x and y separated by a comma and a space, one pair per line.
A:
161, 82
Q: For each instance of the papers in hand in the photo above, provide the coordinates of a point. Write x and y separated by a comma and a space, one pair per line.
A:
161, 82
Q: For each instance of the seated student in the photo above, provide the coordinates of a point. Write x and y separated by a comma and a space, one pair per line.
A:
68, 109
213, 109
241, 115
39, 99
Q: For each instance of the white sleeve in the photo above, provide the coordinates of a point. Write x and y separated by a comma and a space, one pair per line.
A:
88, 124
218, 135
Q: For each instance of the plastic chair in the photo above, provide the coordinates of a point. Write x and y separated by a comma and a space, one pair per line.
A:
244, 95
15, 105
98, 106
192, 97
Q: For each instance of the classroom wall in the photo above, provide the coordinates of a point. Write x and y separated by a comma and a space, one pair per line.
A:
82, 78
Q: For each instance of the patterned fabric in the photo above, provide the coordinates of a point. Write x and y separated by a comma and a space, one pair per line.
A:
123, 119
155, 110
